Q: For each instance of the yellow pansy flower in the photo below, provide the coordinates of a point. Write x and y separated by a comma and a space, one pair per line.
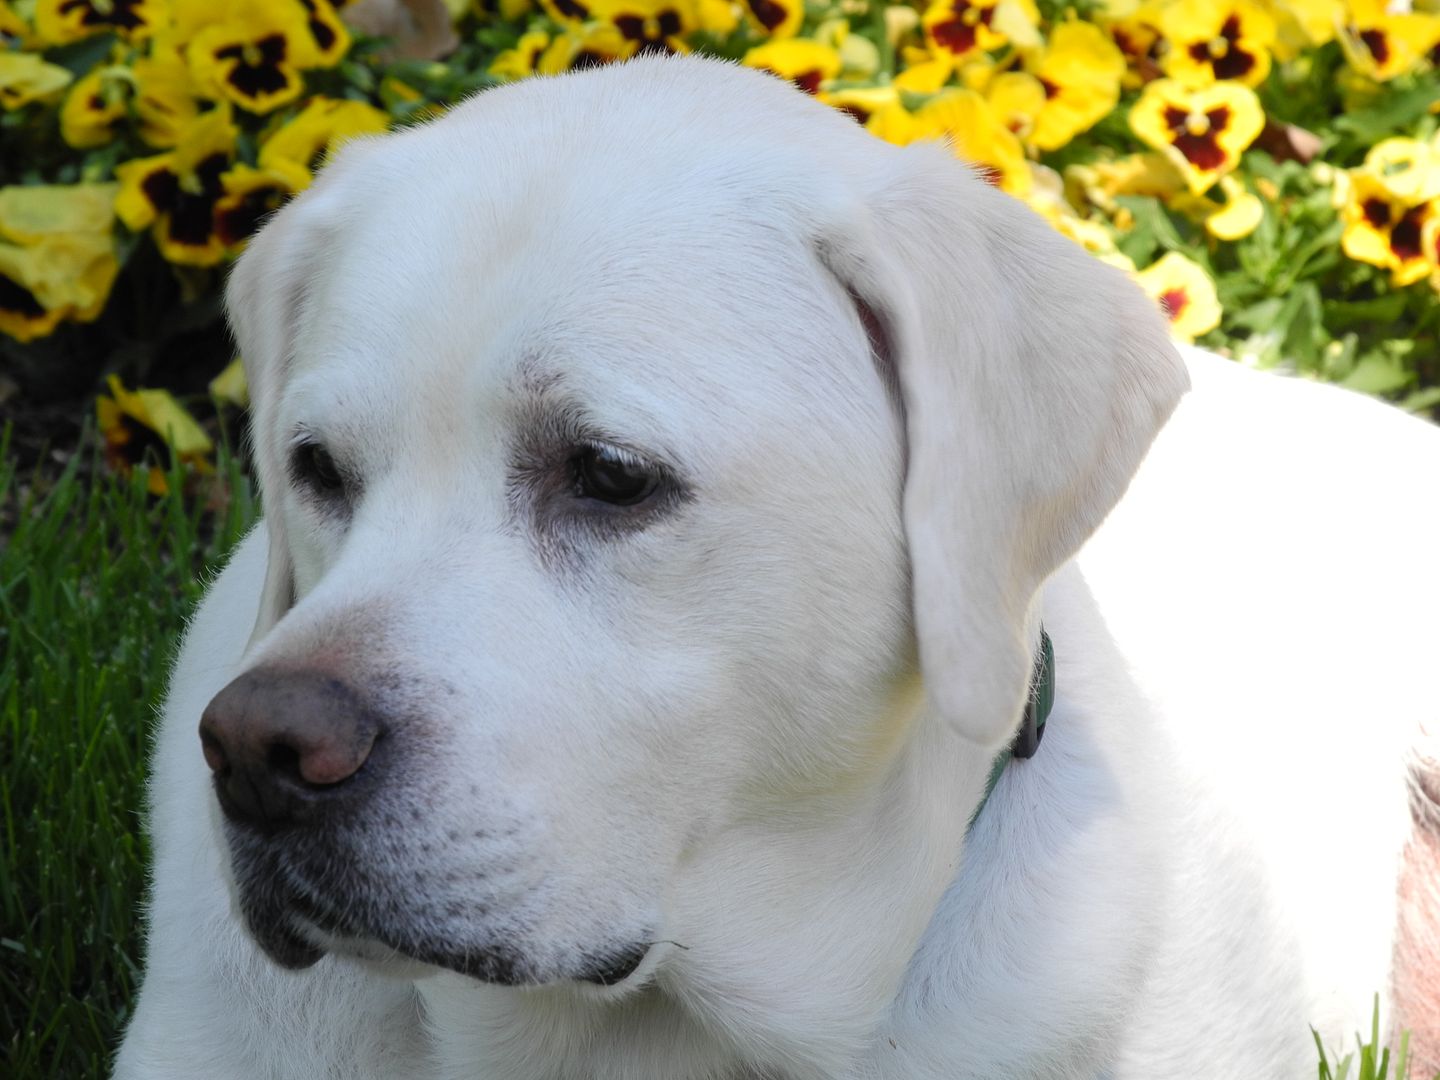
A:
177, 191
805, 63
165, 94
776, 18
59, 22
1185, 293
1211, 42
250, 195
131, 420
1094, 238
575, 50
1136, 32
521, 61
254, 56
978, 136
1407, 168
25, 77
1099, 183
862, 102
1017, 98
1203, 131
318, 129
57, 256
653, 26
1385, 231
570, 12
329, 38
92, 108
1079, 72
959, 28
1381, 45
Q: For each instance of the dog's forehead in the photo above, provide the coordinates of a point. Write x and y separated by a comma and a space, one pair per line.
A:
614, 244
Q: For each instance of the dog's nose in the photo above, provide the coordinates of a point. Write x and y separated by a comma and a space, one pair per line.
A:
285, 745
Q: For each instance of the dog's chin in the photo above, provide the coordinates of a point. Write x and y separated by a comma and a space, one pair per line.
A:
295, 935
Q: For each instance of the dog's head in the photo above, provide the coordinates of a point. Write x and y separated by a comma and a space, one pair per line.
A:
652, 460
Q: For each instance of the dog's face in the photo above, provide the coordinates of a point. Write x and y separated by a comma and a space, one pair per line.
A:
594, 559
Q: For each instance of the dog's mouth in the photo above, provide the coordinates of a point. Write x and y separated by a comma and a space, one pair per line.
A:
297, 924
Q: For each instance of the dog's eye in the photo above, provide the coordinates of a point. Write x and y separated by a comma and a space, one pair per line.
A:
315, 468
612, 476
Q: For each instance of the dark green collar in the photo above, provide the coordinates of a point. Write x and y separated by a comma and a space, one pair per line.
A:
1032, 723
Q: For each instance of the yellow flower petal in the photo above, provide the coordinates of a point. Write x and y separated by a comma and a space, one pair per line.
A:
28, 214
1185, 293
162, 414
1239, 217
321, 128
805, 63
25, 77
978, 135
1203, 131
230, 385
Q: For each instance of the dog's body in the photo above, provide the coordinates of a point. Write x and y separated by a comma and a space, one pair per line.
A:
696, 733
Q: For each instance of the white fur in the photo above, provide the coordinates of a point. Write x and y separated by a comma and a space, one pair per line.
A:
714, 728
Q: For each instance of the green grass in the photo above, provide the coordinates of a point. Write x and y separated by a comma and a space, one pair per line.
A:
96, 579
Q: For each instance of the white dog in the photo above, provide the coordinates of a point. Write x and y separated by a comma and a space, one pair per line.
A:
666, 484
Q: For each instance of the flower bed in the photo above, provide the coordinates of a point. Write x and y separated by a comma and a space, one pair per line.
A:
1268, 169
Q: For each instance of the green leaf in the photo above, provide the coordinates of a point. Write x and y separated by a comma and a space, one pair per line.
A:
1377, 374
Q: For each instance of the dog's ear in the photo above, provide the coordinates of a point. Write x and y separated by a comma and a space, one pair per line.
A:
1033, 380
263, 297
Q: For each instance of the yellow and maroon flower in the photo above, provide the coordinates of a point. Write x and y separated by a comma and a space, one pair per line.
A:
862, 102
1185, 293
254, 57
654, 26
59, 22
979, 136
133, 422
576, 50
1381, 45
523, 59
1079, 73
253, 194
328, 37
805, 63
177, 191
776, 18
93, 107
1212, 42
319, 129
1203, 131
570, 12
960, 28
1385, 231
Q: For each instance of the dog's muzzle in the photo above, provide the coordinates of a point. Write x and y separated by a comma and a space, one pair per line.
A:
311, 779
